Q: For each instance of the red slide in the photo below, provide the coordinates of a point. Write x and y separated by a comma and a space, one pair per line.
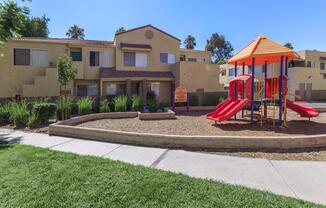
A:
227, 111
302, 108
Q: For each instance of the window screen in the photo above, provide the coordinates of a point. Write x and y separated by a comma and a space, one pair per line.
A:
164, 58
94, 58
22, 57
129, 59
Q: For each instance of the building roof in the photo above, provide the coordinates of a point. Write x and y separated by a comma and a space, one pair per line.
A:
113, 73
131, 45
149, 25
65, 41
262, 49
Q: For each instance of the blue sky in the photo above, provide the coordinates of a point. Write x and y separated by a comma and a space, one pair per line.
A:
301, 22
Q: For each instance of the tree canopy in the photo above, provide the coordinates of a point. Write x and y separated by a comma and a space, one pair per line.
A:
220, 48
76, 32
120, 29
12, 20
36, 27
190, 42
289, 45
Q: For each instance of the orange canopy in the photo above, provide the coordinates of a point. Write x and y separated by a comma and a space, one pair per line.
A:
262, 49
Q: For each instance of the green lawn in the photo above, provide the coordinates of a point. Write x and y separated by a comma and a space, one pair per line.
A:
35, 177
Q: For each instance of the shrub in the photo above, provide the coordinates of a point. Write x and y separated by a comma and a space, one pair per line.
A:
63, 107
44, 111
137, 104
5, 113
85, 105
193, 100
211, 100
19, 113
120, 103
152, 106
33, 120
104, 106
151, 95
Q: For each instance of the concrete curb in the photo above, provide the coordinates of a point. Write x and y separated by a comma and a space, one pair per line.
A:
67, 129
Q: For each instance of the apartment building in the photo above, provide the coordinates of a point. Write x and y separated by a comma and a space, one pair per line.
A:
306, 75
137, 61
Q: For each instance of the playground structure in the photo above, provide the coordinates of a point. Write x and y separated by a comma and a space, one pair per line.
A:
258, 91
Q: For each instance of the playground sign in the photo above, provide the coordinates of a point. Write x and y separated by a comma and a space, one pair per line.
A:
180, 95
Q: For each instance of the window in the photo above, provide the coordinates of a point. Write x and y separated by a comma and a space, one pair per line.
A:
324, 76
141, 60
155, 87
87, 90
167, 58
39, 58
115, 89
182, 57
129, 59
310, 64
22, 57
231, 72
322, 66
135, 59
76, 55
94, 58
192, 59
31, 57
201, 60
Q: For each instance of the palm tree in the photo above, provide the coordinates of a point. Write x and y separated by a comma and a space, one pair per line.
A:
190, 42
289, 45
120, 30
76, 32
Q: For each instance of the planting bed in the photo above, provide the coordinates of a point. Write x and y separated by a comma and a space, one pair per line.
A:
195, 123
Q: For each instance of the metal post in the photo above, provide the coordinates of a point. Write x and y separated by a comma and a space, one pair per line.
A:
187, 102
252, 90
235, 86
265, 92
281, 94
243, 72
286, 66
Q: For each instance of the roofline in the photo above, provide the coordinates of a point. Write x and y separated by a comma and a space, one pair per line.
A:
62, 41
194, 51
148, 25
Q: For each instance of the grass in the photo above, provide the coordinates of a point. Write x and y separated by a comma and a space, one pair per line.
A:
35, 177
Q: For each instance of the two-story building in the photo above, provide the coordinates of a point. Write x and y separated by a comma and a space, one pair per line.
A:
137, 61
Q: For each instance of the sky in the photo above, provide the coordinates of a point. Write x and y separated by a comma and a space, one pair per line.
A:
301, 22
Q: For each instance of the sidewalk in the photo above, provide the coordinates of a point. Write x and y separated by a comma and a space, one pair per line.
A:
300, 179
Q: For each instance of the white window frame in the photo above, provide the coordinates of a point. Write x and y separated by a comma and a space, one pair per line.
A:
31, 57
104, 59
171, 58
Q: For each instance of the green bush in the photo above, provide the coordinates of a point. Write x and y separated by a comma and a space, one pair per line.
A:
137, 104
152, 105
5, 113
19, 113
104, 106
211, 100
44, 111
33, 120
193, 100
85, 106
63, 107
151, 95
120, 103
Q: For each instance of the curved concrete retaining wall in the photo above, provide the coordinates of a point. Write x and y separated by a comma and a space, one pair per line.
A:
66, 128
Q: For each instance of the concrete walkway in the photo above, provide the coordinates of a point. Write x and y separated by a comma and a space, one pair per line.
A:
300, 179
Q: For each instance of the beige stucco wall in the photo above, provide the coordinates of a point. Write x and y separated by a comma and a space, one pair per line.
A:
160, 43
196, 76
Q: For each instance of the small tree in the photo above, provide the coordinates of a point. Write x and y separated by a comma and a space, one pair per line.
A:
289, 45
66, 73
190, 42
